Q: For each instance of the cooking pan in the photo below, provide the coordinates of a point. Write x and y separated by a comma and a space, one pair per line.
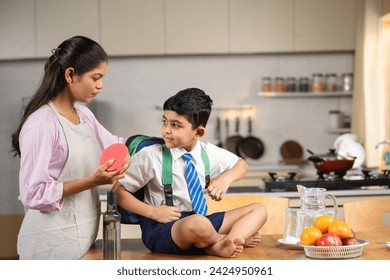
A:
331, 162
251, 146
232, 141
292, 152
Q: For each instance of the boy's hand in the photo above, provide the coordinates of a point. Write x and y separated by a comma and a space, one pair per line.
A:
165, 214
218, 187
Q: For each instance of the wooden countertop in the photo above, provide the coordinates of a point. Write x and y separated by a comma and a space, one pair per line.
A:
269, 249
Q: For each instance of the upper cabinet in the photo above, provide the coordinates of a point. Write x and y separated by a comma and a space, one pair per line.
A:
60, 20
133, 27
261, 26
292, 25
325, 25
17, 32
31, 28
196, 27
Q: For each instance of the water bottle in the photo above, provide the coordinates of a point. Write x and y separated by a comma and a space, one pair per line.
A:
111, 229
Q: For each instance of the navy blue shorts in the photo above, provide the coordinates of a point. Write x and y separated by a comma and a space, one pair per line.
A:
158, 239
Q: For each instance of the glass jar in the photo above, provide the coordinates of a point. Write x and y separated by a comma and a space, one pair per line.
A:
318, 83
266, 84
279, 84
331, 82
303, 84
335, 119
347, 82
290, 84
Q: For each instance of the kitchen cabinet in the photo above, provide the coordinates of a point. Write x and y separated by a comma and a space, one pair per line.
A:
196, 27
292, 25
160, 27
134, 27
59, 20
324, 25
261, 26
18, 41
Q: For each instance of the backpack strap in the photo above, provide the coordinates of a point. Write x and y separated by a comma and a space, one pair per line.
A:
167, 174
206, 163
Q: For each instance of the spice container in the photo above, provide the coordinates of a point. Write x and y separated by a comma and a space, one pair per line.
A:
331, 82
303, 84
290, 84
346, 121
266, 84
318, 83
347, 82
335, 119
279, 84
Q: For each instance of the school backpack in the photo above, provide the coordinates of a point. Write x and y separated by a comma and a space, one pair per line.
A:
135, 143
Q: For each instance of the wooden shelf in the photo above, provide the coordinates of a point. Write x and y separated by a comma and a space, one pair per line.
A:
304, 94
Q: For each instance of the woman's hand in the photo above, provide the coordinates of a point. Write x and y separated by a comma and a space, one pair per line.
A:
101, 177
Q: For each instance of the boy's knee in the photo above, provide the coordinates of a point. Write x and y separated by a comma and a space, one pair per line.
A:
200, 225
260, 209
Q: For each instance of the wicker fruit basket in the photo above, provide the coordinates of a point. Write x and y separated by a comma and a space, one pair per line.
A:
335, 252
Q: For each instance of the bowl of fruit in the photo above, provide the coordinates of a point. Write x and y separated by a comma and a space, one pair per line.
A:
330, 238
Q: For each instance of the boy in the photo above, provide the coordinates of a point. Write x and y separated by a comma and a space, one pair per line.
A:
182, 228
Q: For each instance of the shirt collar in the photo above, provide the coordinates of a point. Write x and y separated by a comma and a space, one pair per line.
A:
196, 152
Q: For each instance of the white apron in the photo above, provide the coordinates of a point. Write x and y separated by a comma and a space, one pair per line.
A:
67, 233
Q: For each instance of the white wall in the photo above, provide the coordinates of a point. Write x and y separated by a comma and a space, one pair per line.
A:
134, 86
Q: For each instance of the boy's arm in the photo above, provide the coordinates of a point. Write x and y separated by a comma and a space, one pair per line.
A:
128, 201
219, 185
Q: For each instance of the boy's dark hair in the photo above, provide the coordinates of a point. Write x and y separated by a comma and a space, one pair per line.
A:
193, 103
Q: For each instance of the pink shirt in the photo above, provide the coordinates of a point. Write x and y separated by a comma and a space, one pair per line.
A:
44, 152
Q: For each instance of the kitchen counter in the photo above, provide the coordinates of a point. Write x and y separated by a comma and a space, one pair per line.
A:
269, 249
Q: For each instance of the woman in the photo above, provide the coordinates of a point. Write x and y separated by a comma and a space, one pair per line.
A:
59, 143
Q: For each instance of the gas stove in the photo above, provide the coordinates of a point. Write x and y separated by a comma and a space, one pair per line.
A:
330, 181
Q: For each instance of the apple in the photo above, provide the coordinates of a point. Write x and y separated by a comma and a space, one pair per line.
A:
351, 240
329, 239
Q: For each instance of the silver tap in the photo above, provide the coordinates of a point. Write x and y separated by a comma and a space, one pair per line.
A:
381, 143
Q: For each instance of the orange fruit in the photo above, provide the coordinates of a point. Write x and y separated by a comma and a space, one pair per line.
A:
342, 229
323, 222
310, 235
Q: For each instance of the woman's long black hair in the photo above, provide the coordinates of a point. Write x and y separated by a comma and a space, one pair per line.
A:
81, 53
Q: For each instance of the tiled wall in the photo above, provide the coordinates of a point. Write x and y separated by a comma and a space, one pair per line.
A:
134, 87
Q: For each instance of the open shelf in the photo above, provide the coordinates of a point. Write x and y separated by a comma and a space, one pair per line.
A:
304, 94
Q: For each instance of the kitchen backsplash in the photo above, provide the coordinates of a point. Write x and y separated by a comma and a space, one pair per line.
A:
135, 86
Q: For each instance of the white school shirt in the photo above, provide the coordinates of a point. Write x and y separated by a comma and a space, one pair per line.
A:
146, 169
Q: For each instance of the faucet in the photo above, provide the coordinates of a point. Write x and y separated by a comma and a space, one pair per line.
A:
386, 154
381, 143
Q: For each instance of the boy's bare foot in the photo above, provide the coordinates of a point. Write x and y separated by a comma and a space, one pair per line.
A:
253, 241
226, 247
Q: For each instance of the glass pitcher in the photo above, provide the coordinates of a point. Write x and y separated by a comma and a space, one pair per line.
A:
313, 199
313, 205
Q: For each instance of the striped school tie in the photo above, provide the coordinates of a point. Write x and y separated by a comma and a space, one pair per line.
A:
195, 188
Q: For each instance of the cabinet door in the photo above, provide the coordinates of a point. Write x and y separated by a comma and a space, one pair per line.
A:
17, 29
261, 26
132, 27
60, 20
196, 27
325, 25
